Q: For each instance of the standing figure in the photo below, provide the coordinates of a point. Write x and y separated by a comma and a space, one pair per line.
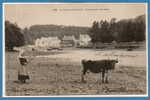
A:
22, 71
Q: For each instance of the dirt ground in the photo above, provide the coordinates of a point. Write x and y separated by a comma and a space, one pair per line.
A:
49, 79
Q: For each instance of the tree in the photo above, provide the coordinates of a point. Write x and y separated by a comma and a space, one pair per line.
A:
94, 32
27, 36
140, 28
126, 31
131, 30
102, 32
105, 33
13, 36
113, 29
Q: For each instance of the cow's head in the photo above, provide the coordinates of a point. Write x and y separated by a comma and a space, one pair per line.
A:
83, 61
113, 62
116, 60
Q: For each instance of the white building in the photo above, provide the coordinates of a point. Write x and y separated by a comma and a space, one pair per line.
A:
48, 42
68, 41
84, 40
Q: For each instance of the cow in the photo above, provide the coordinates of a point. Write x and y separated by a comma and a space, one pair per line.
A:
98, 66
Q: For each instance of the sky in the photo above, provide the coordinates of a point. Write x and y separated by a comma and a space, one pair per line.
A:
77, 14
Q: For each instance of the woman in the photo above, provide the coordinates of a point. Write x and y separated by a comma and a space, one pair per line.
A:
22, 71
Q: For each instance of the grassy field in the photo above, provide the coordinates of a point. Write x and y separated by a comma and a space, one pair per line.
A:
47, 79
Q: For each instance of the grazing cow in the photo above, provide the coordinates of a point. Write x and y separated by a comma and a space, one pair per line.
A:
98, 66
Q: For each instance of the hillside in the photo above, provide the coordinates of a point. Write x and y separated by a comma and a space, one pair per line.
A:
37, 31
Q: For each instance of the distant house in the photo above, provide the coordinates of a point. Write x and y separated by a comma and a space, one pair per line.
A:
48, 42
68, 41
84, 40
37, 43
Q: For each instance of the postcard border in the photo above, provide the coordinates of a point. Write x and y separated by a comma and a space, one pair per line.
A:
2, 50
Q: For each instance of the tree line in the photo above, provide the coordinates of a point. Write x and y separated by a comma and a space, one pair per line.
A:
126, 30
13, 36
37, 31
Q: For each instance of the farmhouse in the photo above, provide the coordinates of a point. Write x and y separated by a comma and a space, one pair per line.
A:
68, 41
48, 42
84, 40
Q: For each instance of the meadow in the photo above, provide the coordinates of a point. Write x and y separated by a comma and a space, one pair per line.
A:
58, 73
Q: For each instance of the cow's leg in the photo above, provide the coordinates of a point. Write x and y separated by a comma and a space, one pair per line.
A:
83, 74
106, 79
103, 76
24, 81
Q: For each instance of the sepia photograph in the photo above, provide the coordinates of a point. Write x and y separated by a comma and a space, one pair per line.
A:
75, 49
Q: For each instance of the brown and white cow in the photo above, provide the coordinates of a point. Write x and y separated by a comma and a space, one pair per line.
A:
98, 66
